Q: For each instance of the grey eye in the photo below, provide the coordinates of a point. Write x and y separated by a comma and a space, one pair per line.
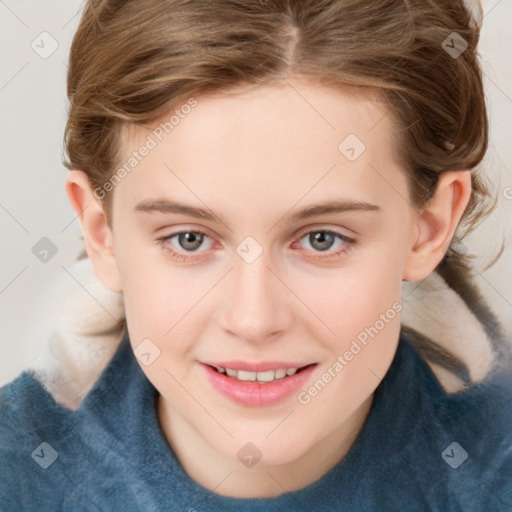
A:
190, 241
321, 240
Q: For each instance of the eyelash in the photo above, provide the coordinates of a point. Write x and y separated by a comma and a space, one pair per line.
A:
348, 243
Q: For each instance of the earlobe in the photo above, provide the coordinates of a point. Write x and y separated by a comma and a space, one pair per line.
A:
97, 234
436, 224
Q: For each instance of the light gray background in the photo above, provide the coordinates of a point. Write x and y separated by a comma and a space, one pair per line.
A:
32, 199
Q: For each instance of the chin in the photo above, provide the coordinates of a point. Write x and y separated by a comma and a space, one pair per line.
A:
267, 452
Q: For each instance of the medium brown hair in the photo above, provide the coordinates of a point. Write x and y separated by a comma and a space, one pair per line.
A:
132, 61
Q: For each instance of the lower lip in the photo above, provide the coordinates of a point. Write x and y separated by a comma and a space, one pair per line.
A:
254, 394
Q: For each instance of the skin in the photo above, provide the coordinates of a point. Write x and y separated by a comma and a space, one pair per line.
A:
255, 157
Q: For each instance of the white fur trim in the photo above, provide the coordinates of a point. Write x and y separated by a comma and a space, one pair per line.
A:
75, 354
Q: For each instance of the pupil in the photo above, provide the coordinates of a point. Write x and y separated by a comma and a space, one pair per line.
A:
190, 241
321, 240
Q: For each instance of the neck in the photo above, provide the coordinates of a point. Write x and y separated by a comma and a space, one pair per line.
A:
209, 467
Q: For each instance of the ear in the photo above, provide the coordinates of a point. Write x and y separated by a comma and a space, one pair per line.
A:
436, 224
97, 234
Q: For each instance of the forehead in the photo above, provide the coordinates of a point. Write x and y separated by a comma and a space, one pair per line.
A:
287, 110
287, 137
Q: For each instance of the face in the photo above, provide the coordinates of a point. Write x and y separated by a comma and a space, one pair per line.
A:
267, 231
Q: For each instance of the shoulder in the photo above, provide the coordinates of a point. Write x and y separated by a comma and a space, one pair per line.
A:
469, 437
482, 416
53, 457
479, 420
24, 406
28, 408
27, 415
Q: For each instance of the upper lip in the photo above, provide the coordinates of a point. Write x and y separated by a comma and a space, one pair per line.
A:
256, 367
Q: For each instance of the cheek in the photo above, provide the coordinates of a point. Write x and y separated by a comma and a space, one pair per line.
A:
154, 295
361, 305
344, 302
161, 304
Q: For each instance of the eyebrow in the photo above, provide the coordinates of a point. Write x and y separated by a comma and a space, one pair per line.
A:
336, 206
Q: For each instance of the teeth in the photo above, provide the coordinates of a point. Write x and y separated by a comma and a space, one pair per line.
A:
243, 375
267, 376
264, 376
280, 374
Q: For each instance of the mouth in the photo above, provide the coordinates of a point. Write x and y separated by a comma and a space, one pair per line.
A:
258, 387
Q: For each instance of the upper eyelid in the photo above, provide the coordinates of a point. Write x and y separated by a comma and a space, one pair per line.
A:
308, 230
298, 233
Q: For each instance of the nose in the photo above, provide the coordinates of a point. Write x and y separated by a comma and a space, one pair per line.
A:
256, 308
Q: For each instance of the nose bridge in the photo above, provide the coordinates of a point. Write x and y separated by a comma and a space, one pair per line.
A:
256, 307
252, 282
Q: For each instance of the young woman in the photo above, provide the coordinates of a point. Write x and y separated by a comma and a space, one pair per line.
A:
257, 180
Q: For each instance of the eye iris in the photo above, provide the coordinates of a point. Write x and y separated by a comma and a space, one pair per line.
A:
324, 240
190, 241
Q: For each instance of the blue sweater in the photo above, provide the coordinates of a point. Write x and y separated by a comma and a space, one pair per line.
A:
420, 449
